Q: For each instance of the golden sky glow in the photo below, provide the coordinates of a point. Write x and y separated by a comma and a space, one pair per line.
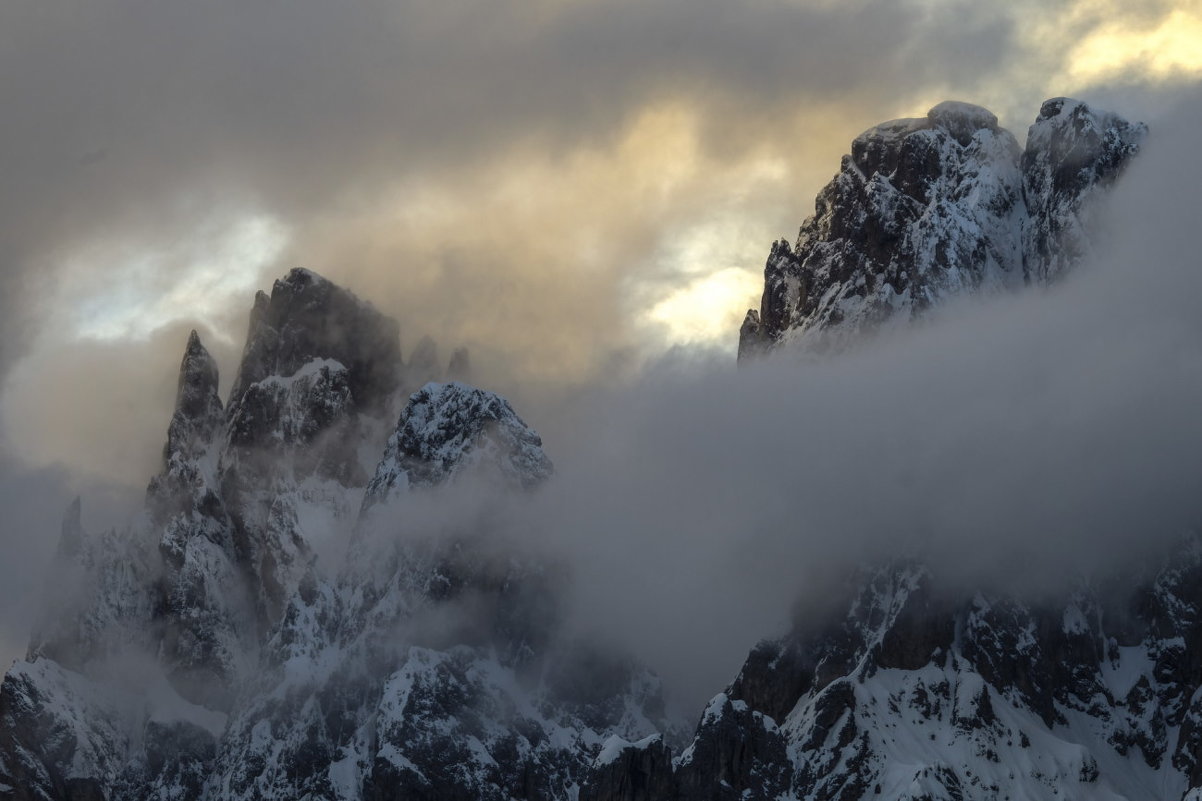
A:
1170, 48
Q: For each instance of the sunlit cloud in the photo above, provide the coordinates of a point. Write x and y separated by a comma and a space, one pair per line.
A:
1170, 49
132, 290
568, 255
707, 310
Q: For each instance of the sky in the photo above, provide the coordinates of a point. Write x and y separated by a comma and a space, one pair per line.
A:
575, 190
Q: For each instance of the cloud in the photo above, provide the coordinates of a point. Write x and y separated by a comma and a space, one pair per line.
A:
535, 180
152, 119
34, 502
1017, 440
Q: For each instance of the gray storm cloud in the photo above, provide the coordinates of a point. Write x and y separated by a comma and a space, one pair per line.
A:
375, 135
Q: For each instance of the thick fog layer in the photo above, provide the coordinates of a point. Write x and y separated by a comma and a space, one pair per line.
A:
34, 503
1020, 441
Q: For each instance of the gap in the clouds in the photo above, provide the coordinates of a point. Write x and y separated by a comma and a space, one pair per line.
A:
131, 290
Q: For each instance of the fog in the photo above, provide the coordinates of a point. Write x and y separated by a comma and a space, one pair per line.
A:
34, 503
1020, 441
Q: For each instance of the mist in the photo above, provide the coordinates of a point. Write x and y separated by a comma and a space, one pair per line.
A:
1016, 442
34, 503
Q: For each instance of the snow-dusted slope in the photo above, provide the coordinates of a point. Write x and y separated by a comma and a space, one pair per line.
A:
927, 208
915, 692
447, 429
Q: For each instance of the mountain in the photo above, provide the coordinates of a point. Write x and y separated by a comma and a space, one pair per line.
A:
320, 599
279, 623
928, 208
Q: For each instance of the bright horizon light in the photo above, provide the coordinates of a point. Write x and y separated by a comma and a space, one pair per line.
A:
194, 278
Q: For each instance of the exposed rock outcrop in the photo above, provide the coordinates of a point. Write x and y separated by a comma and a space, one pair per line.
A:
928, 208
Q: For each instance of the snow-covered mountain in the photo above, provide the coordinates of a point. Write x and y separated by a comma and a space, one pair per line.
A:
207, 651
288, 619
927, 208
912, 691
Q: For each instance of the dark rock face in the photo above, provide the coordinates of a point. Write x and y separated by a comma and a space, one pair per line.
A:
307, 317
737, 753
460, 367
196, 422
927, 208
58, 737
71, 538
921, 634
197, 405
638, 772
319, 370
775, 675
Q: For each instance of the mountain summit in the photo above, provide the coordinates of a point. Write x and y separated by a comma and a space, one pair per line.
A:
927, 208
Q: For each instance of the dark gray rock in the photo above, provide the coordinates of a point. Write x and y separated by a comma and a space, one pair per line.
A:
460, 366
736, 753
638, 772
307, 318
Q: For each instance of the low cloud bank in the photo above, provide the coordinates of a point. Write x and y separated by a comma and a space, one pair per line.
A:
1018, 441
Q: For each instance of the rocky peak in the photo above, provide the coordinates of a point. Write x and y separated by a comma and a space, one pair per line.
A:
1071, 150
307, 318
424, 359
198, 410
194, 428
962, 120
927, 208
425, 364
446, 429
460, 366
196, 396
317, 360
